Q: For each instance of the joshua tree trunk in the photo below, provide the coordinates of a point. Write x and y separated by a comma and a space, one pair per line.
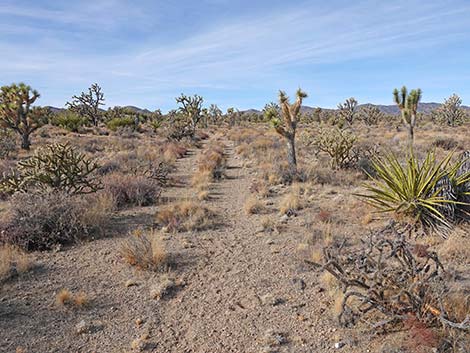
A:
25, 143
291, 158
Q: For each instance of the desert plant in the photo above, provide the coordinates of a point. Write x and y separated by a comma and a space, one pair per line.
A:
40, 221
450, 112
408, 104
68, 120
215, 114
348, 110
87, 105
144, 249
370, 114
191, 108
387, 279
285, 124
16, 113
132, 190
7, 143
414, 192
121, 123
338, 144
186, 216
13, 261
57, 166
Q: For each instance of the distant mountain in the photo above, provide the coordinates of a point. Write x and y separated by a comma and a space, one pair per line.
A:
387, 109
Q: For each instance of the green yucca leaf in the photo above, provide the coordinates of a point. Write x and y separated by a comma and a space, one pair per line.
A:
412, 189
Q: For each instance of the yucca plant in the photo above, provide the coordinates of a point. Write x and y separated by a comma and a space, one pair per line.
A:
419, 193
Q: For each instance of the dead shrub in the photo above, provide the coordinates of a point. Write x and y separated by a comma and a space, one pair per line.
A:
446, 143
67, 298
40, 221
186, 216
145, 250
132, 190
387, 279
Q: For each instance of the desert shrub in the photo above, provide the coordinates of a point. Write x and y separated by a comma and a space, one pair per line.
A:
424, 194
446, 143
68, 120
121, 123
212, 160
13, 261
337, 143
145, 250
387, 280
57, 166
132, 190
291, 202
40, 221
7, 143
186, 216
253, 206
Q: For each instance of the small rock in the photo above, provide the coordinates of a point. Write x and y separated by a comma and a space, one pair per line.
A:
165, 230
283, 219
130, 283
299, 283
272, 338
339, 345
89, 327
269, 241
269, 299
162, 289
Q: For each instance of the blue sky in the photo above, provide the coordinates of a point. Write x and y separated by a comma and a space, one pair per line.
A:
236, 53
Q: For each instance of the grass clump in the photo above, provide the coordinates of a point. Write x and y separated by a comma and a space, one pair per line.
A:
145, 250
186, 216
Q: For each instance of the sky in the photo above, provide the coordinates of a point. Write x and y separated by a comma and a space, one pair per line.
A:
236, 53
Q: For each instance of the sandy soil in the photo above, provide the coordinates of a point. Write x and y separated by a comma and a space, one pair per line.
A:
239, 290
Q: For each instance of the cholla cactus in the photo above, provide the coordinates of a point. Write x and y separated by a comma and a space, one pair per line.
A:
285, 123
371, 115
450, 112
56, 166
16, 113
408, 104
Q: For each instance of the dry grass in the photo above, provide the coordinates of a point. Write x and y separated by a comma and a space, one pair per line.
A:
291, 202
456, 248
203, 195
186, 216
145, 250
253, 206
13, 261
201, 180
65, 298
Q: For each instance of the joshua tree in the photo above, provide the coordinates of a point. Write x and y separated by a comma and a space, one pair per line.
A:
285, 123
215, 114
191, 107
348, 110
451, 111
87, 105
408, 104
16, 113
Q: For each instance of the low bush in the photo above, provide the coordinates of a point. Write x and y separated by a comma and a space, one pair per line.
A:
41, 221
121, 123
8, 144
131, 190
68, 120
145, 250
186, 216
13, 261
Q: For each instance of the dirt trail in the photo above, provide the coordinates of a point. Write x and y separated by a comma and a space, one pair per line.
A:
246, 285
243, 291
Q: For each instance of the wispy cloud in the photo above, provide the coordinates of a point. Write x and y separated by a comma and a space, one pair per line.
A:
243, 50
